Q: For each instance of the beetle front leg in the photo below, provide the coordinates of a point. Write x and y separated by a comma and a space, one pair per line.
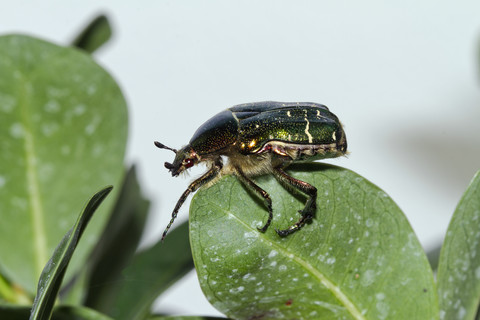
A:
310, 207
247, 181
207, 177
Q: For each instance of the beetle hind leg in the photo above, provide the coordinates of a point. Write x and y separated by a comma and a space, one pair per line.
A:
308, 211
266, 197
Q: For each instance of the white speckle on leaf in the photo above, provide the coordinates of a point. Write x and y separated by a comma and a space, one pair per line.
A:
79, 109
7, 102
16, 130
49, 129
237, 290
380, 296
282, 267
477, 273
91, 89
52, 106
383, 309
249, 235
259, 289
369, 223
331, 260
92, 126
65, 150
273, 264
272, 253
3, 181
367, 278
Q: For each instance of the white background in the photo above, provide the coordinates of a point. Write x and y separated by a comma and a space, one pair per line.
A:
402, 77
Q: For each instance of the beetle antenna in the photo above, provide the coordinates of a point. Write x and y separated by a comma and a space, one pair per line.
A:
162, 146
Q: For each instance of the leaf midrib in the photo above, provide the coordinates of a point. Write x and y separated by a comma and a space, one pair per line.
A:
337, 292
33, 189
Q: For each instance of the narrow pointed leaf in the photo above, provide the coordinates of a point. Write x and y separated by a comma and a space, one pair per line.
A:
63, 123
95, 34
52, 275
458, 274
357, 259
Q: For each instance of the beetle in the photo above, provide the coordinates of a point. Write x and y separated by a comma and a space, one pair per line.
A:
261, 138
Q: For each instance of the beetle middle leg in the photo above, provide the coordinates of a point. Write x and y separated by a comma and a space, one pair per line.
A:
310, 207
247, 181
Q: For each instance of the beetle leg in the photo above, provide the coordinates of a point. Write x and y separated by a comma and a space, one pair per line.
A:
207, 177
247, 181
310, 207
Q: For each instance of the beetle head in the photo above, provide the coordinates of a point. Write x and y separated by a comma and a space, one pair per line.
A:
185, 158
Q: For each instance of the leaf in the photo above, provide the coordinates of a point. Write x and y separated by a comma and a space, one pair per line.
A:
117, 244
63, 123
458, 274
357, 259
54, 271
151, 273
12, 312
96, 34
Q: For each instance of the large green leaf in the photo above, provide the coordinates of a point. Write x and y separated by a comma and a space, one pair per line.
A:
458, 275
63, 123
54, 271
357, 259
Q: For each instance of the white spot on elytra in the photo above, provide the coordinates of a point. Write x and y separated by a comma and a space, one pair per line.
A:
307, 127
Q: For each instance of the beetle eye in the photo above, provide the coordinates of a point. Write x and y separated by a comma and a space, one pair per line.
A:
188, 163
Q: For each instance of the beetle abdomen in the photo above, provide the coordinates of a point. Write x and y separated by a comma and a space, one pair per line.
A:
290, 123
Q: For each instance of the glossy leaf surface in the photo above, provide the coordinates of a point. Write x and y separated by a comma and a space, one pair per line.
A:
458, 275
63, 124
357, 259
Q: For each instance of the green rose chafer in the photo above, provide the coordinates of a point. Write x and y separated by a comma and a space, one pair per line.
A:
260, 138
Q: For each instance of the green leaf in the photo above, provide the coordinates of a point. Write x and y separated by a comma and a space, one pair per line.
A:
54, 271
151, 273
458, 274
117, 244
357, 259
63, 123
96, 34
12, 312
